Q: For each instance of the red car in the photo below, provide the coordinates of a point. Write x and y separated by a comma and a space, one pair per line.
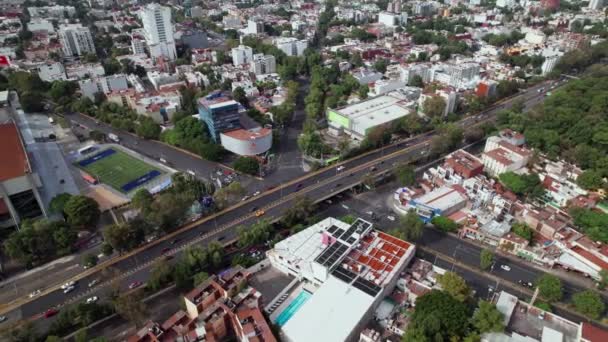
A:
135, 284
50, 312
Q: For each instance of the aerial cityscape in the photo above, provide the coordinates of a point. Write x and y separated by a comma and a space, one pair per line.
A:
304, 170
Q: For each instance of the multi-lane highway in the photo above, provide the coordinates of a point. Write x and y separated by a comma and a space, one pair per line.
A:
222, 226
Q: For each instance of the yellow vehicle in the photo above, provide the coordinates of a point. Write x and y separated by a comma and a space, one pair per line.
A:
260, 213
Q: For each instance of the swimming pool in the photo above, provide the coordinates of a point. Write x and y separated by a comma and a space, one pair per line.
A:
292, 308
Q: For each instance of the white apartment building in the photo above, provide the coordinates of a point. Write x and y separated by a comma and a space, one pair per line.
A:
422, 70
50, 72
457, 75
159, 31
392, 19
107, 84
242, 54
254, 26
552, 56
423, 8
450, 97
138, 42
291, 46
76, 40
500, 156
263, 64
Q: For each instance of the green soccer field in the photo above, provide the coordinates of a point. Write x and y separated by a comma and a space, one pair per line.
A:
118, 169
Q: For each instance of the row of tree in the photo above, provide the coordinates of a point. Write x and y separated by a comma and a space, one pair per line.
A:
158, 215
38, 241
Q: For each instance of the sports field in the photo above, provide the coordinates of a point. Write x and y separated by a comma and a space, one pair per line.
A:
118, 169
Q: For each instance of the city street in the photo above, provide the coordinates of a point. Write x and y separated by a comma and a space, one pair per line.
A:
317, 186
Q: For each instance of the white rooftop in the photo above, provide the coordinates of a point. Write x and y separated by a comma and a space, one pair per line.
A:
551, 335
331, 314
506, 304
301, 249
376, 111
441, 198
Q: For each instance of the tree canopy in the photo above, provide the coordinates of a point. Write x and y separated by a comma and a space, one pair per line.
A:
437, 317
550, 288
444, 224
454, 285
589, 303
247, 165
487, 318
82, 212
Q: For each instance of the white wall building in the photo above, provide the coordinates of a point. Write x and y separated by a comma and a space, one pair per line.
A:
359, 119
247, 142
242, 54
422, 70
291, 46
382, 87
392, 19
106, 84
50, 72
138, 43
254, 26
159, 31
552, 56
76, 40
450, 98
500, 156
353, 268
263, 64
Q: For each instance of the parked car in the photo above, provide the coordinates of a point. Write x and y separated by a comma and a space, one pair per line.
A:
340, 168
505, 267
93, 282
392, 218
259, 213
2, 319
91, 300
256, 193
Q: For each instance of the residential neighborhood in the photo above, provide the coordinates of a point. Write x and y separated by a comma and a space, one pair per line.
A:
303, 170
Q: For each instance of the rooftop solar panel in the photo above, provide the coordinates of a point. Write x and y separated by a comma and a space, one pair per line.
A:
367, 286
344, 275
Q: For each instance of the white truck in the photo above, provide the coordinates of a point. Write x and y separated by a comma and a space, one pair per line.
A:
113, 137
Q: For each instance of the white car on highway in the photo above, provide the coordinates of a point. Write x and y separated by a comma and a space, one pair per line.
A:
34, 294
340, 168
505, 267
92, 299
68, 284
69, 289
